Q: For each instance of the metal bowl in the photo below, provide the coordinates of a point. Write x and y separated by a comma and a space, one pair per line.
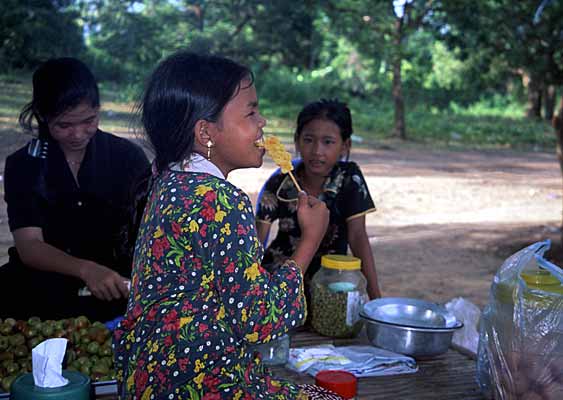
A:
409, 326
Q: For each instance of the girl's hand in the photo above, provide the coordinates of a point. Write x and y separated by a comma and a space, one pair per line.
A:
313, 217
103, 282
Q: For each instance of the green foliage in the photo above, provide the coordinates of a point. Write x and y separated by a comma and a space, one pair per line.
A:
33, 31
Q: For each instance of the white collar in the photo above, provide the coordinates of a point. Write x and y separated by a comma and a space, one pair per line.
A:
198, 163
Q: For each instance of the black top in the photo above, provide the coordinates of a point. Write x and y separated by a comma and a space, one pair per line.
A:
84, 219
346, 195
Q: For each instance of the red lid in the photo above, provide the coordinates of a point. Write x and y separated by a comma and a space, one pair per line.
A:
340, 382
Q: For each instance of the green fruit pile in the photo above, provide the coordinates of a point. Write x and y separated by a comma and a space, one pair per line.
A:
88, 349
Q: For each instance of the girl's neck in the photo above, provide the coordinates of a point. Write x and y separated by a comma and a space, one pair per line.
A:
312, 184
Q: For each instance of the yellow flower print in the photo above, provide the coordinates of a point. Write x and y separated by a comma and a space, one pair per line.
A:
150, 367
198, 379
251, 272
241, 205
252, 337
275, 383
238, 395
206, 279
244, 317
158, 233
283, 285
221, 313
198, 365
202, 189
194, 227
226, 230
130, 381
154, 348
221, 239
147, 394
219, 214
171, 360
185, 320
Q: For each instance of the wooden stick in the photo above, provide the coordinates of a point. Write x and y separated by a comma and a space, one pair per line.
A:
295, 181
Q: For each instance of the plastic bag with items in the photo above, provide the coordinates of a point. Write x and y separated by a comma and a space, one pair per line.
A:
520, 353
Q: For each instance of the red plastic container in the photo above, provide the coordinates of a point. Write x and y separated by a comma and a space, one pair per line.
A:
342, 383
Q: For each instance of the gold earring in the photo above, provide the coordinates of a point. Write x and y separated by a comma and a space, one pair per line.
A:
209, 145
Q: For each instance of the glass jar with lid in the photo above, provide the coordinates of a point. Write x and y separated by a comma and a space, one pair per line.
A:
338, 293
274, 352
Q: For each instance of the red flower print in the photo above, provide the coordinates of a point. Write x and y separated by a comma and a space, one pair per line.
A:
211, 382
168, 340
241, 230
202, 328
177, 229
208, 212
211, 396
157, 249
203, 230
137, 311
265, 330
141, 378
171, 321
170, 316
152, 313
210, 196
230, 268
183, 363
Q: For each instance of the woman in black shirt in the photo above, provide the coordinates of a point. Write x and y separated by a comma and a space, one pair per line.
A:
67, 193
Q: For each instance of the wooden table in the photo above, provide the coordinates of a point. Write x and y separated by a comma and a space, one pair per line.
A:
448, 376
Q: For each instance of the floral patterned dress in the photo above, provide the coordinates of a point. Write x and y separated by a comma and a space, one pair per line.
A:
199, 297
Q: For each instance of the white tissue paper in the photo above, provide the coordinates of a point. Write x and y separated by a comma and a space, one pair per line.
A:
466, 339
47, 361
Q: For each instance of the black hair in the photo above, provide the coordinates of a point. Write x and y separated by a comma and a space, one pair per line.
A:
184, 88
59, 84
329, 109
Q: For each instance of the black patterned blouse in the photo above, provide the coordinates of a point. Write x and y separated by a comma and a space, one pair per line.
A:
344, 191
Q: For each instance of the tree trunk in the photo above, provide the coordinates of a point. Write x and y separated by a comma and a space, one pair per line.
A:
533, 109
549, 96
558, 125
398, 101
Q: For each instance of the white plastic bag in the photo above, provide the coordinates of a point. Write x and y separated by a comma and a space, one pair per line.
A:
520, 353
466, 339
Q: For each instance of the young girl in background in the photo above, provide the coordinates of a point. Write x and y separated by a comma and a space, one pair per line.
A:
322, 138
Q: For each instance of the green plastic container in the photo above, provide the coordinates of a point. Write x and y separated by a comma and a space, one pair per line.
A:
78, 388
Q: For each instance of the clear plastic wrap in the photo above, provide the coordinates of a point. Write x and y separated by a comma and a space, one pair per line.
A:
520, 353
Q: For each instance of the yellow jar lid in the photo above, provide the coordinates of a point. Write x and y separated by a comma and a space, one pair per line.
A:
340, 261
540, 278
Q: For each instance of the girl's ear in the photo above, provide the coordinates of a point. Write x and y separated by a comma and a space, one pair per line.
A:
345, 150
201, 133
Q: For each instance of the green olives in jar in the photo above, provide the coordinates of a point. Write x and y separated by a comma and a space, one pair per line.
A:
338, 293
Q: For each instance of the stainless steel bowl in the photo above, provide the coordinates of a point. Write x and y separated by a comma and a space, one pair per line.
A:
409, 326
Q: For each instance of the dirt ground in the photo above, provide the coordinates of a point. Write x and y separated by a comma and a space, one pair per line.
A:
446, 220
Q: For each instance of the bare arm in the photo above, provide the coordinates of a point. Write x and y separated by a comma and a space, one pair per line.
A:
359, 243
263, 230
103, 282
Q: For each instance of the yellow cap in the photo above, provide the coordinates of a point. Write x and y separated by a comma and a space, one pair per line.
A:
339, 261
